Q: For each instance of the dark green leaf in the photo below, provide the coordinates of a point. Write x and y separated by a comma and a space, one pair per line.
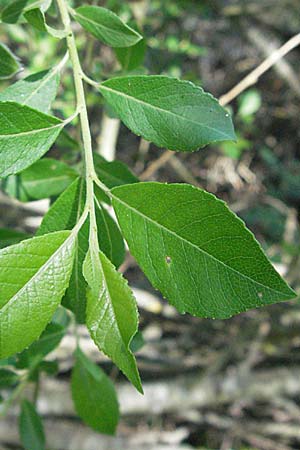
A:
171, 113
195, 250
111, 315
63, 215
9, 65
48, 341
94, 396
33, 278
8, 378
106, 26
47, 177
37, 91
36, 18
14, 10
137, 342
113, 173
132, 57
31, 428
25, 135
10, 237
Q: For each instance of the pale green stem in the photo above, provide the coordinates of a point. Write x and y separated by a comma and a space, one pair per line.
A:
14, 395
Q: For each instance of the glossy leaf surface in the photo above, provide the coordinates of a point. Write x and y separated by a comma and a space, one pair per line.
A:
106, 26
195, 250
25, 135
171, 113
33, 278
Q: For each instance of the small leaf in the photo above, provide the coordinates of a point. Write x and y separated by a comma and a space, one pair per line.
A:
171, 113
195, 250
31, 428
113, 173
94, 396
10, 237
132, 57
25, 135
9, 65
36, 18
48, 341
37, 91
106, 26
111, 314
33, 278
47, 177
8, 378
14, 10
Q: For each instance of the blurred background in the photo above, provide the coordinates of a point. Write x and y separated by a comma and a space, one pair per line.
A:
232, 384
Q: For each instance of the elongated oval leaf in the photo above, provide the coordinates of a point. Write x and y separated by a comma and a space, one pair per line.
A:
37, 90
25, 135
111, 315
36, 18
46, 178
9, 65
33, 278
171, 113
195, 250
14, 9
94, 396
106, 26
113, 173
31, 428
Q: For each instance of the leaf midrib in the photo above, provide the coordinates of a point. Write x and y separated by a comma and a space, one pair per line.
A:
178, 116
32, 279
28, 133
197, 248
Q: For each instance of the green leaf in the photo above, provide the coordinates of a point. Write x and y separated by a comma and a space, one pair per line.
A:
94, 396
37, 91
63, 215
171, 113
9, 65
10, 237
33, 278
48, 341
113, 173
31, 428
36, 18
47, 177
106, 26
25, 135
14, 10
195, 250
132, 57
8, 378
111, 315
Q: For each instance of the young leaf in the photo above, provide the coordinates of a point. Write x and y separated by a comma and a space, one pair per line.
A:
25, 135
195, 250
113, 173
8, 378
33, 278
94, 395
10, 237
9, 66
169, 112
46, 178
106, 26
48, 341
37, 91
31, 428
111, 314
